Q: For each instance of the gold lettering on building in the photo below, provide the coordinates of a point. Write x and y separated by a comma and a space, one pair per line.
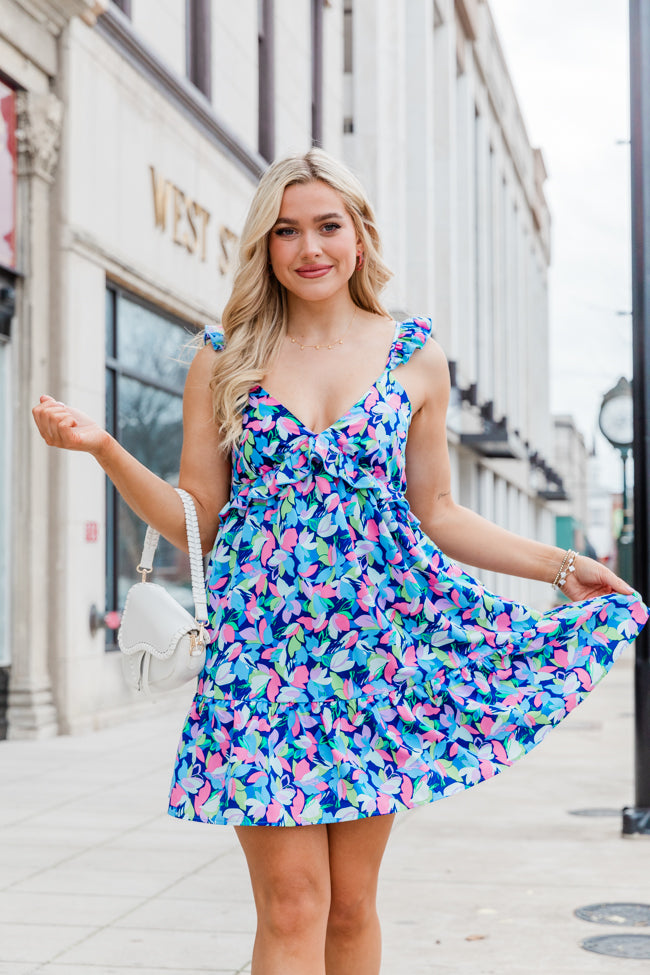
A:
227, 240
160, 197
189, 222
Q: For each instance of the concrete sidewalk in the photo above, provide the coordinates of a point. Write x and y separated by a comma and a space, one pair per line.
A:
95, 878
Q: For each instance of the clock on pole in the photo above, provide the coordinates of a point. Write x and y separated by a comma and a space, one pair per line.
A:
616, 414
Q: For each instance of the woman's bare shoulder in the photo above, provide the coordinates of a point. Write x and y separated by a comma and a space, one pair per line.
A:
426, 376
202, 364
430, 362
432, 355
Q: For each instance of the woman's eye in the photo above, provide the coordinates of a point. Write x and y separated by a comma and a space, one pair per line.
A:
330, 227
284, 231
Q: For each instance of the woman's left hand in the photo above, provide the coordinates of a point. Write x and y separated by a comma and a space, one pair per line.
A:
592, 579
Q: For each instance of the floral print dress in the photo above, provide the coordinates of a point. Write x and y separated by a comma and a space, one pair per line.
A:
354, 669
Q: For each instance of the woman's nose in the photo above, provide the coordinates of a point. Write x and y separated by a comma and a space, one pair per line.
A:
311, 243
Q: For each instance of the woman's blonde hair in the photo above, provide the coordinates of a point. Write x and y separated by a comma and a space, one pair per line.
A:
255, 317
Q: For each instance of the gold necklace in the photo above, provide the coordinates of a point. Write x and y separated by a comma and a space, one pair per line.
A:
330, 345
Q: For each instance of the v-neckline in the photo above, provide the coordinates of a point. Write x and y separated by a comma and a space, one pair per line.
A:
358, 401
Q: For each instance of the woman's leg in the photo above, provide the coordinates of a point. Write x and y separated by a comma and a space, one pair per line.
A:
289, 868
353, 945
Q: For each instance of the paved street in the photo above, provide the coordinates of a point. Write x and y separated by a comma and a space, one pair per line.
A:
95, 878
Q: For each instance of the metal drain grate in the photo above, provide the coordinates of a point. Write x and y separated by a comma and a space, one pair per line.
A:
630, 915
594, 812
620, 945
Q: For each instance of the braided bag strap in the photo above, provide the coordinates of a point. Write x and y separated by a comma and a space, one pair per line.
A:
194, 547
196, 557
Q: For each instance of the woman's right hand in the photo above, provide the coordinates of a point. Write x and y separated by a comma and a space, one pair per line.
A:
62, 426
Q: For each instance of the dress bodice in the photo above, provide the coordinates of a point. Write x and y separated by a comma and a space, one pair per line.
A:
363, 448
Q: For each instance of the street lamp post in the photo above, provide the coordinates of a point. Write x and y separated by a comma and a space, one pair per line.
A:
627, 525
636, 819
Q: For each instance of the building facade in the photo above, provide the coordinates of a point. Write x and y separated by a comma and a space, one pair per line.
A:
433, 125
571, 461
133, 137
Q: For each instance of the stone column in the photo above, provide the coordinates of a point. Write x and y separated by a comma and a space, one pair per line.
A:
32, 713
446, 191
419, 163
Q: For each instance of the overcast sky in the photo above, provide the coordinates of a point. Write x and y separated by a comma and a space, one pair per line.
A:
569, 63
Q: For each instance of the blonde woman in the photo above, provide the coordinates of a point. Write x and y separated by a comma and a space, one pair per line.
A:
355, 670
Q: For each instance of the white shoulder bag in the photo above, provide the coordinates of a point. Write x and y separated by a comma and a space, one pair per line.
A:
163, 646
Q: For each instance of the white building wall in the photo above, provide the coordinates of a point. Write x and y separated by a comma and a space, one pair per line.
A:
464, 216
162, 25
376, 150
333, 78
485, 279
445, 228
234, 65
419, 156
293, 77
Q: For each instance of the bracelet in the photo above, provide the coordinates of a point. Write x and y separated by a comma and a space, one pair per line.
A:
562, 565
567, 566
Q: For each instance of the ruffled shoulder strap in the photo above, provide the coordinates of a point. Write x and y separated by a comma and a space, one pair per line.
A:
215, 337
411, 335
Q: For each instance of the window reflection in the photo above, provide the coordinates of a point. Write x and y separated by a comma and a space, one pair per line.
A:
147, 364
150, 428
149, 345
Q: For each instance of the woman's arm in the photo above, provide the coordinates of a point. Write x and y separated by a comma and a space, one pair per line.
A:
460, 533
204, 469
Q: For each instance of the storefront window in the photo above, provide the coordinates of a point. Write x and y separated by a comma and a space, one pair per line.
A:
7, 177
147, 358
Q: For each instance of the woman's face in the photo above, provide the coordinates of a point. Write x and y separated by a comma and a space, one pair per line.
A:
313, 244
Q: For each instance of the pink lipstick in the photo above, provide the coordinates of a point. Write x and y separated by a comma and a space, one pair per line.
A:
313, 270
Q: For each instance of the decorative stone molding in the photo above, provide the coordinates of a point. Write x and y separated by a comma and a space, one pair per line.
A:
60, 12
88, 10
467, 11
38, 133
